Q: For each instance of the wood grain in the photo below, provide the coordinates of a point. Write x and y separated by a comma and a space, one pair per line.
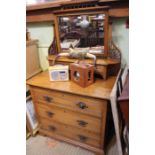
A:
93, 106
71, 132
89, 10
40, 18
69, 118
99, 61
55, 105
56, 31
32, 59
100, 89
119, 12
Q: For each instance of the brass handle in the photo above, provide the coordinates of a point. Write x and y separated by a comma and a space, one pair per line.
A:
50, 114
82, 123
82, 105
82, 138
52, 128
48, 99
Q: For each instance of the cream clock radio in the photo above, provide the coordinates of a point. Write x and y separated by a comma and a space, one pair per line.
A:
59, 73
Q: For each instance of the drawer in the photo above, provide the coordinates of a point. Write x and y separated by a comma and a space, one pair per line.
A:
71, 132
86, 105
68, 117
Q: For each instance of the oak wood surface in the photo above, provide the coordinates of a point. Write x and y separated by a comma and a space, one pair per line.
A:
55, 4
71, 101
32, 59
103, 126
119, 12
71, 132
46, 125
100, 89
62, 113
39, 18
46, 5
59, 3
99, 61
104, 67
90, 135
69, 118
42, 11
56, 31
78, 2
98, 69
81, 10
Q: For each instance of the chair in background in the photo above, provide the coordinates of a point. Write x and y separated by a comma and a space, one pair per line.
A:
116, 92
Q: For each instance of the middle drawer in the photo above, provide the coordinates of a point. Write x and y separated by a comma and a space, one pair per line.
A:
68, 117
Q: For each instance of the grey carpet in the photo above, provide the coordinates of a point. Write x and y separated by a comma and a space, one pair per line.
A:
40, 145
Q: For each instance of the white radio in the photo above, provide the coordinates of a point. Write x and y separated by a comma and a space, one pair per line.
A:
59, 73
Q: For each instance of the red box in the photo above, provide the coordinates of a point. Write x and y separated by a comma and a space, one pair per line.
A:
82, 74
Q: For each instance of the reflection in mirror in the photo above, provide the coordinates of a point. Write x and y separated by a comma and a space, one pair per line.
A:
82, 31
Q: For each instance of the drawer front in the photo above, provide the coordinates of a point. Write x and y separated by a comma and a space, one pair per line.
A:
71, 132
86, 105
68, 117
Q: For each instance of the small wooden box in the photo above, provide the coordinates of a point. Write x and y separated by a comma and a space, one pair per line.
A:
82, 73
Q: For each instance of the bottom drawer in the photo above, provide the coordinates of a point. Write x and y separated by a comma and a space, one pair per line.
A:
71, 132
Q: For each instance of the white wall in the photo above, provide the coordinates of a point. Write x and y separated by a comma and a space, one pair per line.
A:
120, 36
43, 32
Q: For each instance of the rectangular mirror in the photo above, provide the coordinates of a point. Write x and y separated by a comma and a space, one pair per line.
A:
82, 31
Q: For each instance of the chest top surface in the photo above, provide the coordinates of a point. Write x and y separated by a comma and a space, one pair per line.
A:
100, 89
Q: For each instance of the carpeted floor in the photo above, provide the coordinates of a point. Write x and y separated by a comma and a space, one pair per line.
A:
40, 145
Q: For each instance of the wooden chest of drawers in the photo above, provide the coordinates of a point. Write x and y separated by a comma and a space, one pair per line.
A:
70, 113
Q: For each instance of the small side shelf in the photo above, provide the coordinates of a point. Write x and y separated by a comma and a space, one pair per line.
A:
104, 67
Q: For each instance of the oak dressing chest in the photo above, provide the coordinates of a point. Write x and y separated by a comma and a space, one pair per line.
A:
71, 113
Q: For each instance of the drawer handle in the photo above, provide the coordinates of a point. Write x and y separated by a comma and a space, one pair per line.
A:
82, 123
48, 99
82, 138
82, 105
50, 114
51, 128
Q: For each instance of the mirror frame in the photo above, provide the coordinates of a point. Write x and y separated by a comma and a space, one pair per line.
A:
106, 27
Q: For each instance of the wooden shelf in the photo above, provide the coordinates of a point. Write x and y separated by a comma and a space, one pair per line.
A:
42, 12
39, 18
100, 61
119, 12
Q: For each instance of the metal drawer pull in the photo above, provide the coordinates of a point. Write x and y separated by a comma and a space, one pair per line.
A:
50, 114
52, 128
82, 138
82, 105
82, 123
48, 99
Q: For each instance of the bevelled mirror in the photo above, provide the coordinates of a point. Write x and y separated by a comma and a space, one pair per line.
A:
82, 31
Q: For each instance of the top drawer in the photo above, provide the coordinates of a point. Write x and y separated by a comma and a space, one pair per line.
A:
86, 105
